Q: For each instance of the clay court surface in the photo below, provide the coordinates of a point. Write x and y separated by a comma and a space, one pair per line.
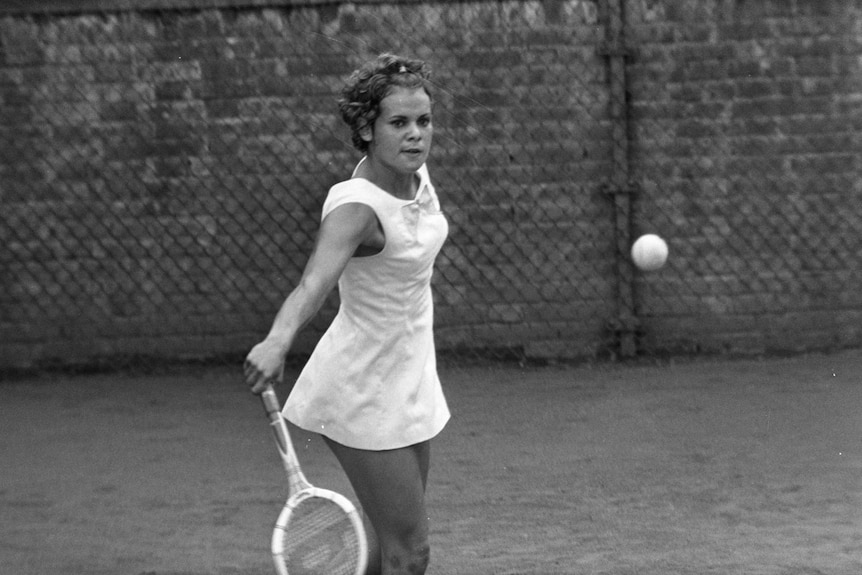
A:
730, 467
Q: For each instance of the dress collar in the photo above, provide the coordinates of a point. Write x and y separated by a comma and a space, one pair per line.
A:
424, 181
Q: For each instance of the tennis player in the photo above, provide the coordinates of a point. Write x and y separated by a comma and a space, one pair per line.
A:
370, 387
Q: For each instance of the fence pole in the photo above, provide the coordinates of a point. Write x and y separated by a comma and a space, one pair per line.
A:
620, 187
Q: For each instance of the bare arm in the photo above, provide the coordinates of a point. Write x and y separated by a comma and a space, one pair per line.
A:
341, 233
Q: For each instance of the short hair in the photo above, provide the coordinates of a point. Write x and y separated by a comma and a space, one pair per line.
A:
360, 99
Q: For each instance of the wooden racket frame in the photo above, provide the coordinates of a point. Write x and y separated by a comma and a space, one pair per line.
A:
300, 489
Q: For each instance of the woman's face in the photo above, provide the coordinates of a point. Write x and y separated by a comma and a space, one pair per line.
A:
400, 138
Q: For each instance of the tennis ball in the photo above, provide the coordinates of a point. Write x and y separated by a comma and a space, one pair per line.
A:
649, 252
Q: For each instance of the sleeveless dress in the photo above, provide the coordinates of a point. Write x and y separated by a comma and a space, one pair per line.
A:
371, 381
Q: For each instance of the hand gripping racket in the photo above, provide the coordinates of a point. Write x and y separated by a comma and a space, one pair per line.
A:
319, 532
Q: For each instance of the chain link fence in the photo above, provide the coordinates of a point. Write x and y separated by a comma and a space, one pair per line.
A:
162, 172
749, 160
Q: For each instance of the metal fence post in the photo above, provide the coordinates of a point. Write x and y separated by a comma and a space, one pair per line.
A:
620, 186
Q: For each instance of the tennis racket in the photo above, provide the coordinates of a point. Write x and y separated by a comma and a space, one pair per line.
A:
318, 532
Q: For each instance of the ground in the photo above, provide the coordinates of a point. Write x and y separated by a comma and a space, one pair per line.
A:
701, 466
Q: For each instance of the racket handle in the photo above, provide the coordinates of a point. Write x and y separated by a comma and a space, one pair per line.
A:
282, 440
270, 403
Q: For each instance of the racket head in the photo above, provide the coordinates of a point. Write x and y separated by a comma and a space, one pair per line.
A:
319, 532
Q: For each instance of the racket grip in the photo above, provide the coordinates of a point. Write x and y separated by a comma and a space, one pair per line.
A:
270, 403
279, 429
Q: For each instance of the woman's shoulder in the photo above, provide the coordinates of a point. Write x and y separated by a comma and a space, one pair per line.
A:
354, 183
354, 190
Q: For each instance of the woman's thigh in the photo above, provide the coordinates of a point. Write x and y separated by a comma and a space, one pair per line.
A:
390, 486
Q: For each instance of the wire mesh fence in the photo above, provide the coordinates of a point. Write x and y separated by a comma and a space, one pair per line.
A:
750, 161
162, 172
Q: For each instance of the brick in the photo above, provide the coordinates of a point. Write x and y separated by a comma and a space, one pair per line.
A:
168, 91
812, 65
124, 111
825, 164
754, 89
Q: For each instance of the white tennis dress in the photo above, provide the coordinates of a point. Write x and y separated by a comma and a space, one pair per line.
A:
371, 382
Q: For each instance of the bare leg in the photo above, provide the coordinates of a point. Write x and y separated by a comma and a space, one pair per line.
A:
390, 486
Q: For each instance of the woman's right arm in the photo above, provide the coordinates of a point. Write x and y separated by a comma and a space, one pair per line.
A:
342, 231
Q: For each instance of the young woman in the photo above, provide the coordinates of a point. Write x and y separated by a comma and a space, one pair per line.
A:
370, 387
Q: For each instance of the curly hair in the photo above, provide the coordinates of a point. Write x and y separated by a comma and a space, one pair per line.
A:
360, 99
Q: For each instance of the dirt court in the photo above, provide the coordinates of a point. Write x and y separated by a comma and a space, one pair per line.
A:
731, 467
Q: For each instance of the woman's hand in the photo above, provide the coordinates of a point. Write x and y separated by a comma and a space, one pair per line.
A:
264, 365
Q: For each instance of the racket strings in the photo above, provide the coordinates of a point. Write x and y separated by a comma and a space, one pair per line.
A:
318, 537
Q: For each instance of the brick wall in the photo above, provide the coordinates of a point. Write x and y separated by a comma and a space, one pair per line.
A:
163, 170
747, 143
170, 165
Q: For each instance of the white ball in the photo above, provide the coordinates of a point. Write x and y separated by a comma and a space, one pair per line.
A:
649, 252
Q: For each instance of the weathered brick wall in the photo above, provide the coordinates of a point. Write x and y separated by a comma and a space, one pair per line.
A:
163, 170
135, 172
167, 169
746, 138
